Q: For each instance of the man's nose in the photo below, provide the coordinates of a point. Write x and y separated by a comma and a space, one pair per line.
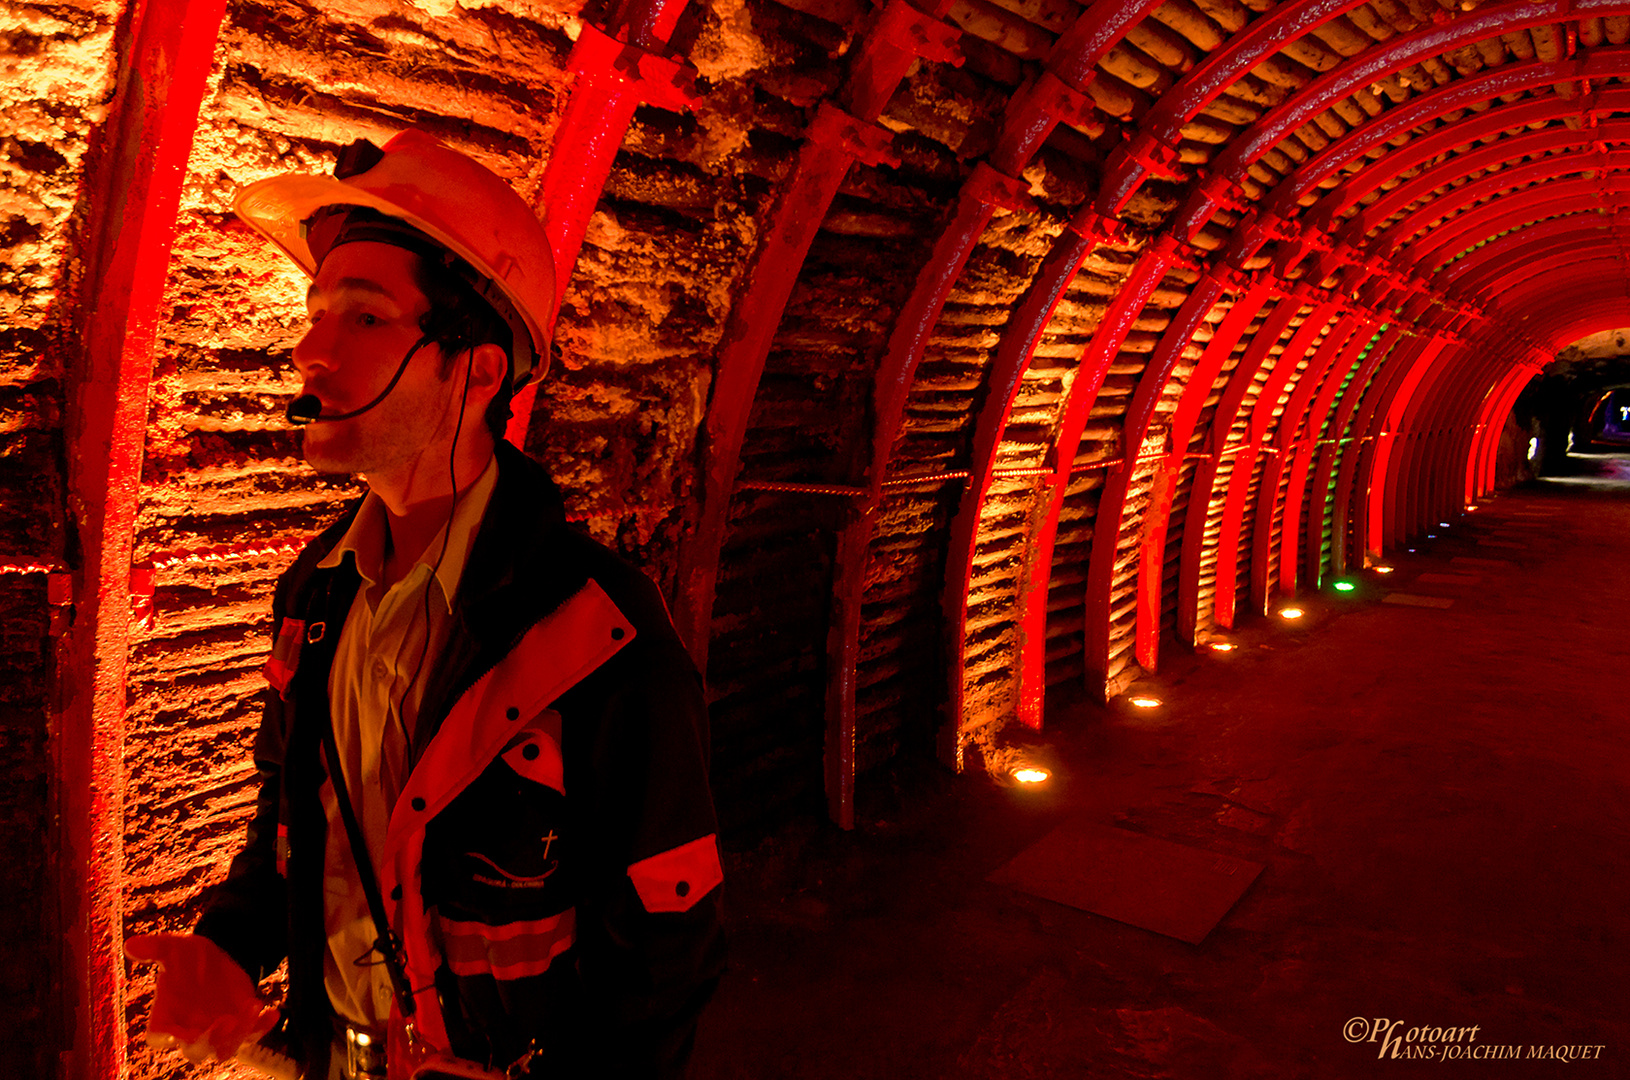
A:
315, 350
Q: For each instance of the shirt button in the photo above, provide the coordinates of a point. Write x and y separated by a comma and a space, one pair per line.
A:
380, 670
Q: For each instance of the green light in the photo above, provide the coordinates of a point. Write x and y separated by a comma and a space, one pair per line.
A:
1344, 586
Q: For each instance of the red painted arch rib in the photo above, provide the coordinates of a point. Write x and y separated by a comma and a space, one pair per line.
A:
1334, 448
1600, 63
1349, 515
1373, 469
1545, 201
612, 78
1301, 451
1528, 253
834, 141
1152, 143
1052, 97
1238, 457
1247, 305
1013, 354
1422, 149
1560, 141
1108, 522
1401, 52
1289, 425
1106, 342
1236, 494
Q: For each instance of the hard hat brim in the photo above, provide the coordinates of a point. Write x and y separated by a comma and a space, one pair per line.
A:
276, 206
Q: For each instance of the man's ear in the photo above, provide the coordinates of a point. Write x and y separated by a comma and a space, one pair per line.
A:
488, 365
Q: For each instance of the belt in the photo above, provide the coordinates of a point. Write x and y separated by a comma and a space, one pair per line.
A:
359, 1051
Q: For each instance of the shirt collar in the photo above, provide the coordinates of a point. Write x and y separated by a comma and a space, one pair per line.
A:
365, 538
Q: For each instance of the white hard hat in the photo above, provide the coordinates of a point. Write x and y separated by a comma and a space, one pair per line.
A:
453, 200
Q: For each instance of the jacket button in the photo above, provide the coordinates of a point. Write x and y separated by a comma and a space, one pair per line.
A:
418, 803
531, 751
396, 892
512, 713
616, 633
682, 889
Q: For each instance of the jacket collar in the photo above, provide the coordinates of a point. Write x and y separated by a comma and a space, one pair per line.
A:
519, 570
447, 552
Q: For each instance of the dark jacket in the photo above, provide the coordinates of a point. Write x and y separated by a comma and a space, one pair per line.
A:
551, 864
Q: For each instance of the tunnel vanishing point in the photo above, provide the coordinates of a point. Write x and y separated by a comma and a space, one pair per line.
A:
932, 355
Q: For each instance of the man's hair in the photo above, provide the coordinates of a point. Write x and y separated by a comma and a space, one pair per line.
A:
459, 320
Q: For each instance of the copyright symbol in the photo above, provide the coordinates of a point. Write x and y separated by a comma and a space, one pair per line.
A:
1355, 1029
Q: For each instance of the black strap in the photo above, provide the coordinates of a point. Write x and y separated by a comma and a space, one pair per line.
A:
386, 945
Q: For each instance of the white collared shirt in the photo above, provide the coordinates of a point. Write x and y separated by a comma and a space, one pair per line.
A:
384, 658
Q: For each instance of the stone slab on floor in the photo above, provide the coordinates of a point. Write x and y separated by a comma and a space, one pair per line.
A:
1133, 878
1412, 600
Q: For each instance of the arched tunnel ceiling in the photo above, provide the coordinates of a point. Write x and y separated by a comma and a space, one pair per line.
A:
921, 347
933, 358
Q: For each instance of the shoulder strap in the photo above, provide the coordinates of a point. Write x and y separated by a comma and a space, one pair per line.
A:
388, 947
322, 636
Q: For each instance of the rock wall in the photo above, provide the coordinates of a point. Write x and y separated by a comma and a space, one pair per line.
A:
55, 78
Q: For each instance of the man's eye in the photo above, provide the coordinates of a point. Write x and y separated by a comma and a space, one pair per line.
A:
365, 319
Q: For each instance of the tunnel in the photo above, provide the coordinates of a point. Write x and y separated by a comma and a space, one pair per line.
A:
961, 370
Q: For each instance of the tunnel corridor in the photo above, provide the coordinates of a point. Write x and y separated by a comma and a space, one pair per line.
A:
1443, 832
958, 369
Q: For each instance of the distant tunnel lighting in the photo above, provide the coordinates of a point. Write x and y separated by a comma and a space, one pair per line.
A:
1344, 586
1470, 507
1431, 536
1383, 569
1533, 448
1290, 613
1145, 702
1443, 524
1223, 646
1030, 776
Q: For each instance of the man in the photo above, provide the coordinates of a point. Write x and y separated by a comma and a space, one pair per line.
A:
484, 838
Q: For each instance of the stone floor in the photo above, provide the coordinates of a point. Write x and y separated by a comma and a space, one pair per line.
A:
1441, 798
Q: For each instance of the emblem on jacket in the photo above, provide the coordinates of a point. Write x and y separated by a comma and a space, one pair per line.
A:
507, 880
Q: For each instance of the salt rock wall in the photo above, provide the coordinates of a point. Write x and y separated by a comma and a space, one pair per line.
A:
55, 77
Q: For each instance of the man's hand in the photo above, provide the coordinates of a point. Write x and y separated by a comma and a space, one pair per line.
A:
204, 1003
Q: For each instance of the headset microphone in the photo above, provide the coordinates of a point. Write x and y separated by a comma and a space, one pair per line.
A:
308, 408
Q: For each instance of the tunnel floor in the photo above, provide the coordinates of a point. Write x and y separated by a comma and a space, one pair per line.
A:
1439, 796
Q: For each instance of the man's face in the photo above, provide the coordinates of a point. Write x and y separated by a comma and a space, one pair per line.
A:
364, 309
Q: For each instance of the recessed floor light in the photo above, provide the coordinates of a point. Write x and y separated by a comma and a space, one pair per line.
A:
1030, 776
1223, 646
1290, 613
1383, 569
1343, 586
1144, 702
